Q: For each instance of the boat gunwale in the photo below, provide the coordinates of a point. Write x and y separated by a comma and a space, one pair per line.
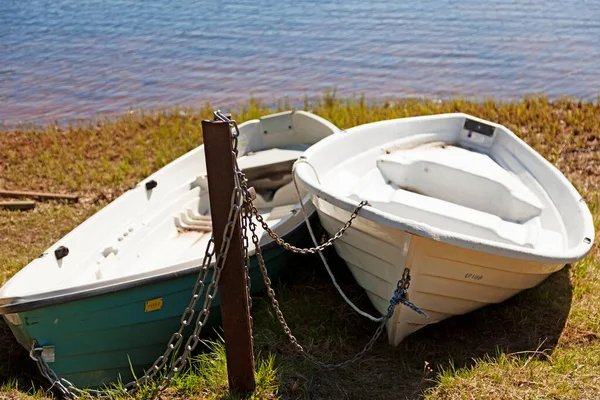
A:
63, 296
306, 176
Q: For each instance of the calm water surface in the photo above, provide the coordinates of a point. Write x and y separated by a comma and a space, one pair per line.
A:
70, 59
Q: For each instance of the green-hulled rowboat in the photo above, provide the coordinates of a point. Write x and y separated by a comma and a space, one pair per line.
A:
104, 300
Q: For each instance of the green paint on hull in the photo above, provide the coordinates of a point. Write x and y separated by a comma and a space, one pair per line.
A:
100, 340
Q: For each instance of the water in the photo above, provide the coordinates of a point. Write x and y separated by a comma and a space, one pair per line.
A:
70, 59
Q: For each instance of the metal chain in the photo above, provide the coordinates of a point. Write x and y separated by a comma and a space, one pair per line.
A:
400, 293
309, 250
285, 326
235, 134
245, 245
399, 297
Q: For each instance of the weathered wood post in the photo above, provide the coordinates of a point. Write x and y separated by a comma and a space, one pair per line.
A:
235, 308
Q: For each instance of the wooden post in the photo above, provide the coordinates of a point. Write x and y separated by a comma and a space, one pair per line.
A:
237, 328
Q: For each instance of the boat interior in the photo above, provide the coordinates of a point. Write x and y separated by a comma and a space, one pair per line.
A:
178, 234
163, 224
457, 177
169, 233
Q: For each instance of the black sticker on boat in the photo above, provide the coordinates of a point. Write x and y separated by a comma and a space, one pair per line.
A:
479, 127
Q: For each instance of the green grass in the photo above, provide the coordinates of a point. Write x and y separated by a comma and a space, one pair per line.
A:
209, 370
542, 343
564, 374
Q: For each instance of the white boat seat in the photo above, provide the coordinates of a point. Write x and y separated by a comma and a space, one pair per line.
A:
271, 163
271, 183
286, 194
280, 212
462, 177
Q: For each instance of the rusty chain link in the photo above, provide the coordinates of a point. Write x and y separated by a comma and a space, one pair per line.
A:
309, 250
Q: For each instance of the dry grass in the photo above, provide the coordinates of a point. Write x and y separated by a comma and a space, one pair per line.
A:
543, 343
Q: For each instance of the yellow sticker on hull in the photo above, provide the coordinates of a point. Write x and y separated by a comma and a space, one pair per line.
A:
153, 305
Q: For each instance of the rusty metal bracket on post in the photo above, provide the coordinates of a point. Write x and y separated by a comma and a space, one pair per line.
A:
235, 310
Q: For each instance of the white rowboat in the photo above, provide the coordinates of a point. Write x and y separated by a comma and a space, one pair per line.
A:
473, 212
103, 301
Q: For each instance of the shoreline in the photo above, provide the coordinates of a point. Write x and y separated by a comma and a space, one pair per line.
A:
77, 117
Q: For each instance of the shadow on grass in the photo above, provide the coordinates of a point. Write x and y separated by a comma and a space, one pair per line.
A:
16, 368
333, 332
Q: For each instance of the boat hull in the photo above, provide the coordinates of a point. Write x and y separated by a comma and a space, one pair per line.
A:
110, 337
446, 280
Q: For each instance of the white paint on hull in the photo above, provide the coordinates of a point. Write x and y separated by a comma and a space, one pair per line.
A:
445, 280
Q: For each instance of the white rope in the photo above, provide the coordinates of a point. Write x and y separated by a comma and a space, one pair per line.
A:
314, 239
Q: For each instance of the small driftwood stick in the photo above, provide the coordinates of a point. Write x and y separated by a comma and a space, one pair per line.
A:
39, 195
17, 205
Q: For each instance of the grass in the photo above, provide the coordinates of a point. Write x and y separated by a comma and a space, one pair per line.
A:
209, 370
542, 343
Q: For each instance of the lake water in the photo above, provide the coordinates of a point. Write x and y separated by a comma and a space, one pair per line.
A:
70, 59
